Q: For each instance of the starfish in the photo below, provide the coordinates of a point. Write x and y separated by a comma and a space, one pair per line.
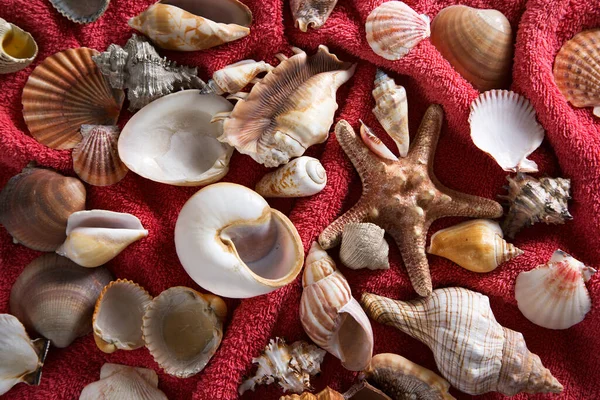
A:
403, 196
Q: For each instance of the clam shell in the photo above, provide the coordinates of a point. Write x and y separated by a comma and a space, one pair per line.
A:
35, 206
394, 28
364, 246
303, 176
478, 44
235, 77
182, 330
311, 13
55, 297
18, 48
120, 382
64, 92
81, 11
391, 110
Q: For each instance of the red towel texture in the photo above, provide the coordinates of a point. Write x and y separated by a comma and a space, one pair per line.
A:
571, 150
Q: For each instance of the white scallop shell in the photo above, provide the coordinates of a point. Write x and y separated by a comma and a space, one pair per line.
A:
303, 176
120, 382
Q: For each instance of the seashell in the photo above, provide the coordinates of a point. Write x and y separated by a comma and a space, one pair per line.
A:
118, 314
375, 144
235, 77
81, 11
471, 349
146, 75
391, 110
364, 246
289, 110
503, 125
325, 394
290, 366
476, 245
477, 43
233, 244
171, 140
532, 200
330, 316
554, 295
394, 28
311, 13
189, 26
35, 206
22, 358
64, 92
303, 176
96, 159
120, 382
363, 390
97, 236
55, 297
18, 48
182, 330
576, 69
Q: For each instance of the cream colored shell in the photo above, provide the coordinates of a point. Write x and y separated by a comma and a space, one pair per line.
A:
18, 49
235, 77
120, 382
303, 176
391, 110
364, 246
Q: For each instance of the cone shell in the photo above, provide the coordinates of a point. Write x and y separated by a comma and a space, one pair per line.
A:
554, 295
311, 13
35, 206
364, 246
478, 44
394, 28
81, 11
325, 394
391, 110
471, 349
303, 176
18, 49
120, 382
64, 92
235, 77
55, 297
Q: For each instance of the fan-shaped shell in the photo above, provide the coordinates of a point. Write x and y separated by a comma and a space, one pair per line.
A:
394, 28
311, 13
18, 48
55, 297
64, 92
303, 176
81, 11
120, 382
36, 204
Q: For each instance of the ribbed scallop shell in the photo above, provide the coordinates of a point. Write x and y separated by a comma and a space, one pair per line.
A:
120, 382
64, 92
394, 28
303, 176
81, 11
364, 246
391, 110
18, 48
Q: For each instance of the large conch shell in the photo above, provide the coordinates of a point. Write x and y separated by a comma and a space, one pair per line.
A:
330, 316
233, 244
471, 349
364, 246
391, 110
325, 394
18, 49
289, 110
81, 11
235, 77
22, 358
120, 382
311, 13
193, 25
554, 295
303, 176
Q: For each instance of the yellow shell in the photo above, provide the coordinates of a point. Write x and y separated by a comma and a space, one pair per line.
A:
17, 48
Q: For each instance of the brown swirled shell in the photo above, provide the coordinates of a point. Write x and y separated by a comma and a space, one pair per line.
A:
311, 13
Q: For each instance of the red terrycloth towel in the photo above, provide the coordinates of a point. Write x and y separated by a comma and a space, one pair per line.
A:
571, 150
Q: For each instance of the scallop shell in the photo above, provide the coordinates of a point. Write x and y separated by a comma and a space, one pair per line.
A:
325, 394
120, 382
64, 92
235, 77
478, 44
577, 68
311, 13
503, 125
364, 246
35, 206
81, 11
55, 297
118, 315
193, 25
394, 28
303, 176
391, 110
182, 330
18, 48
375, 144
554, 295
291, 109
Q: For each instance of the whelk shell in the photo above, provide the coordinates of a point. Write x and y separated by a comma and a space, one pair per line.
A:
325, 394
364, 246
55, 297
235, 77
554, 295
391, 110
81, 11
35, 206
18, 48
182, 329
311, 13
120, 382
303, 176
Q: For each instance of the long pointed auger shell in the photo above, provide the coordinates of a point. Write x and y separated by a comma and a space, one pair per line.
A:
18, 49
121, 382
311, 13
235, 77
303, 176
391, 110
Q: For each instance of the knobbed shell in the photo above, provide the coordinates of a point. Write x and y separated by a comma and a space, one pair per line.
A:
472, 351
120, 382
289, 110
391, 110
478, 44
311, 13
64, 92
233, 244
22, 358
18, 48
330, 316
476, 245
325, 394
81, 11
193, 25
394, 28
35, 206
55, 297
364, 246
554, 295
235, 77
303, 176
97, 236
182, 329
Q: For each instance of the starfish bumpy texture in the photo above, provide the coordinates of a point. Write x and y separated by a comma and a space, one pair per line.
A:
404, 197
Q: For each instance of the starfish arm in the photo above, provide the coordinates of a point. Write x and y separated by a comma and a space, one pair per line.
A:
466, 205
359, 154
424, 144
332, 235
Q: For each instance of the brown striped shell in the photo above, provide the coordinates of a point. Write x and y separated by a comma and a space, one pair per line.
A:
311, 13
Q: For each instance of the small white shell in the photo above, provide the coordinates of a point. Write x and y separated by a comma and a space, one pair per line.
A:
391, 110
235, 77
503, 125
120, 382
18, 49
303, 176
375, 144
